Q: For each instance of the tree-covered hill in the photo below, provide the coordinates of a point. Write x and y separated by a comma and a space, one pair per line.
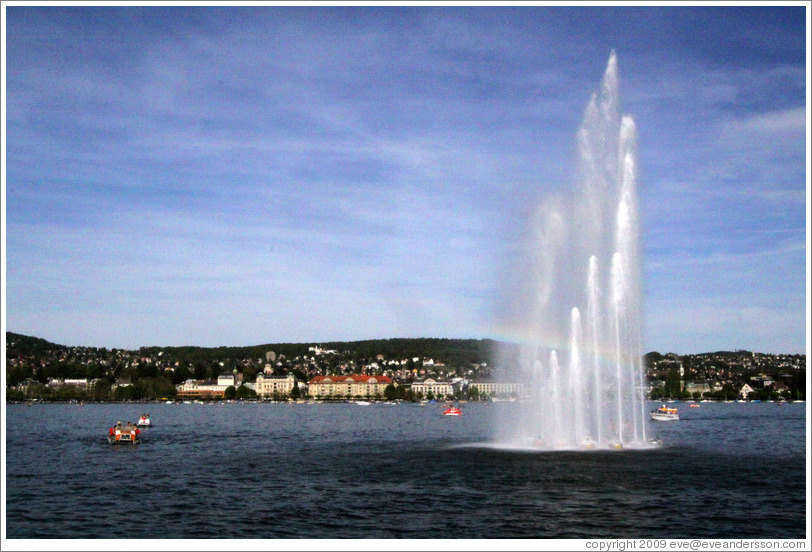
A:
441, 350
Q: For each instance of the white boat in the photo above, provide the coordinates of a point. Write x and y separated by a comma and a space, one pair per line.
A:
664, 414
362, 403
144, 421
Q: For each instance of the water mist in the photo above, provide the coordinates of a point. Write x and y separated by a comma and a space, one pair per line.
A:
580, 359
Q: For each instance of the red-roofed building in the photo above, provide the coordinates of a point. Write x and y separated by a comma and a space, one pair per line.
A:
355, 386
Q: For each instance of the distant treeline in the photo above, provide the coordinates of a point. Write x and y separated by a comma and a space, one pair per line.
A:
451, 351
458, 352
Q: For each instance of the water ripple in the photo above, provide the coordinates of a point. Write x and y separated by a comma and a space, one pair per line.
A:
290, 472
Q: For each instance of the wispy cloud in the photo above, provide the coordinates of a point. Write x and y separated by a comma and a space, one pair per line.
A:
789, 123
233, 175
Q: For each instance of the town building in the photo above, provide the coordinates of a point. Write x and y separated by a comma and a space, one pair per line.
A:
29, 386
77, 383
745, 390
208, 389
355, 386
497, 388
268, 385
697, 387
430, 385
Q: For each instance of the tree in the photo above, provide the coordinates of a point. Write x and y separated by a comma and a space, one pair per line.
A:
200, 371
390, 392
245, 392
672, 383
295, 393
13, 395
125, 392
230, 392
181, 373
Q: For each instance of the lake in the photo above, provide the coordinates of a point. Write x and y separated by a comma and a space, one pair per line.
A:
267, 471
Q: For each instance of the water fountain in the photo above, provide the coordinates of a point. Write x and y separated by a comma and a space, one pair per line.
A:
581, 359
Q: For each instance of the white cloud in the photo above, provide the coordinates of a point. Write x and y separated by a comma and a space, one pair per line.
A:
767, 125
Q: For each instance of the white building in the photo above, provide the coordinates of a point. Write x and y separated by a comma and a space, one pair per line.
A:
276, 386
225, 380
79, 383
207, 388
436, 388
497, 388
745, 390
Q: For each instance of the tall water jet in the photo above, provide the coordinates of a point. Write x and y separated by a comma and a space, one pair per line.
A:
584, 378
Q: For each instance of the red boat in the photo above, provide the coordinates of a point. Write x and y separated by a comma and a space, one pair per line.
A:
124, 436
452, 411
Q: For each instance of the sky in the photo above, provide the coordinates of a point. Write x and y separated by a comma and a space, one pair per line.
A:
245, 175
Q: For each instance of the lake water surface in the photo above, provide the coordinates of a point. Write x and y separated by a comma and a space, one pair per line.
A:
314, 471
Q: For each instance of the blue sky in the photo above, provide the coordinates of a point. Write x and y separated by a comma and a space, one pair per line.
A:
236, 176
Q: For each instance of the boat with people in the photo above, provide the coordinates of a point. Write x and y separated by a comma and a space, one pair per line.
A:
452, 411
144, 421
124, 434
665, 414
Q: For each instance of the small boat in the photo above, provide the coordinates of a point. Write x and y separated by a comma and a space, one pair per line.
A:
144, 421
665, 414
452, 411
693, 405
124, 436
362, 403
